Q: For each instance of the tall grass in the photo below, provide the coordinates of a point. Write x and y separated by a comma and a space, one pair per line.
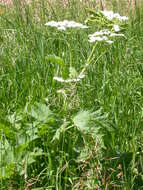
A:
66, 136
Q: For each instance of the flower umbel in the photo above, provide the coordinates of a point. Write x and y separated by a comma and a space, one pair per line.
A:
110, 15
63, 25
116, 28
70, 80
103, 36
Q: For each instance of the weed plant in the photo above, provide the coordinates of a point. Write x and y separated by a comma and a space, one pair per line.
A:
85, 134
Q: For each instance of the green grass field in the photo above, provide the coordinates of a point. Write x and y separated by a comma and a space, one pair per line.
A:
83, 129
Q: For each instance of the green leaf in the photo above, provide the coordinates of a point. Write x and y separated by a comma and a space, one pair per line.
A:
7, 154
7, 160
7, 131
7, 171
40, 112
59, 131
84, 154
82, 120
55, 59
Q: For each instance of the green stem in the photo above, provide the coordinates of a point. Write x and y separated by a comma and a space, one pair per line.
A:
90, 59
91, 54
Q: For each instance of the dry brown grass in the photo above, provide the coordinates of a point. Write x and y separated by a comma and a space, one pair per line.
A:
6, 2
9, 2
122, 6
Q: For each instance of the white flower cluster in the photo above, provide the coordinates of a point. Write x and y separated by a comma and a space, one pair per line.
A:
60, 79
63, 25
116, 28
110, 15
104, 36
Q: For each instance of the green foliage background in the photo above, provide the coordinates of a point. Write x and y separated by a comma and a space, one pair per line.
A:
85, 136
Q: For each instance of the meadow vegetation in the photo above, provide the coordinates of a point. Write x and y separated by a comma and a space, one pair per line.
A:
71, 100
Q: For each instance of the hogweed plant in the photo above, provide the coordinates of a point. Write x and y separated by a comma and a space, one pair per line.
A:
85, 121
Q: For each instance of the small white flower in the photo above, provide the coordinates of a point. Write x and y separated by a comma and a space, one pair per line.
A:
59, 79
52, 24
101, 33
124, 18
114, 35
61, 28
104, 38
93, 38
109, 41
72, 80
116, 28
108, 14
117, 16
